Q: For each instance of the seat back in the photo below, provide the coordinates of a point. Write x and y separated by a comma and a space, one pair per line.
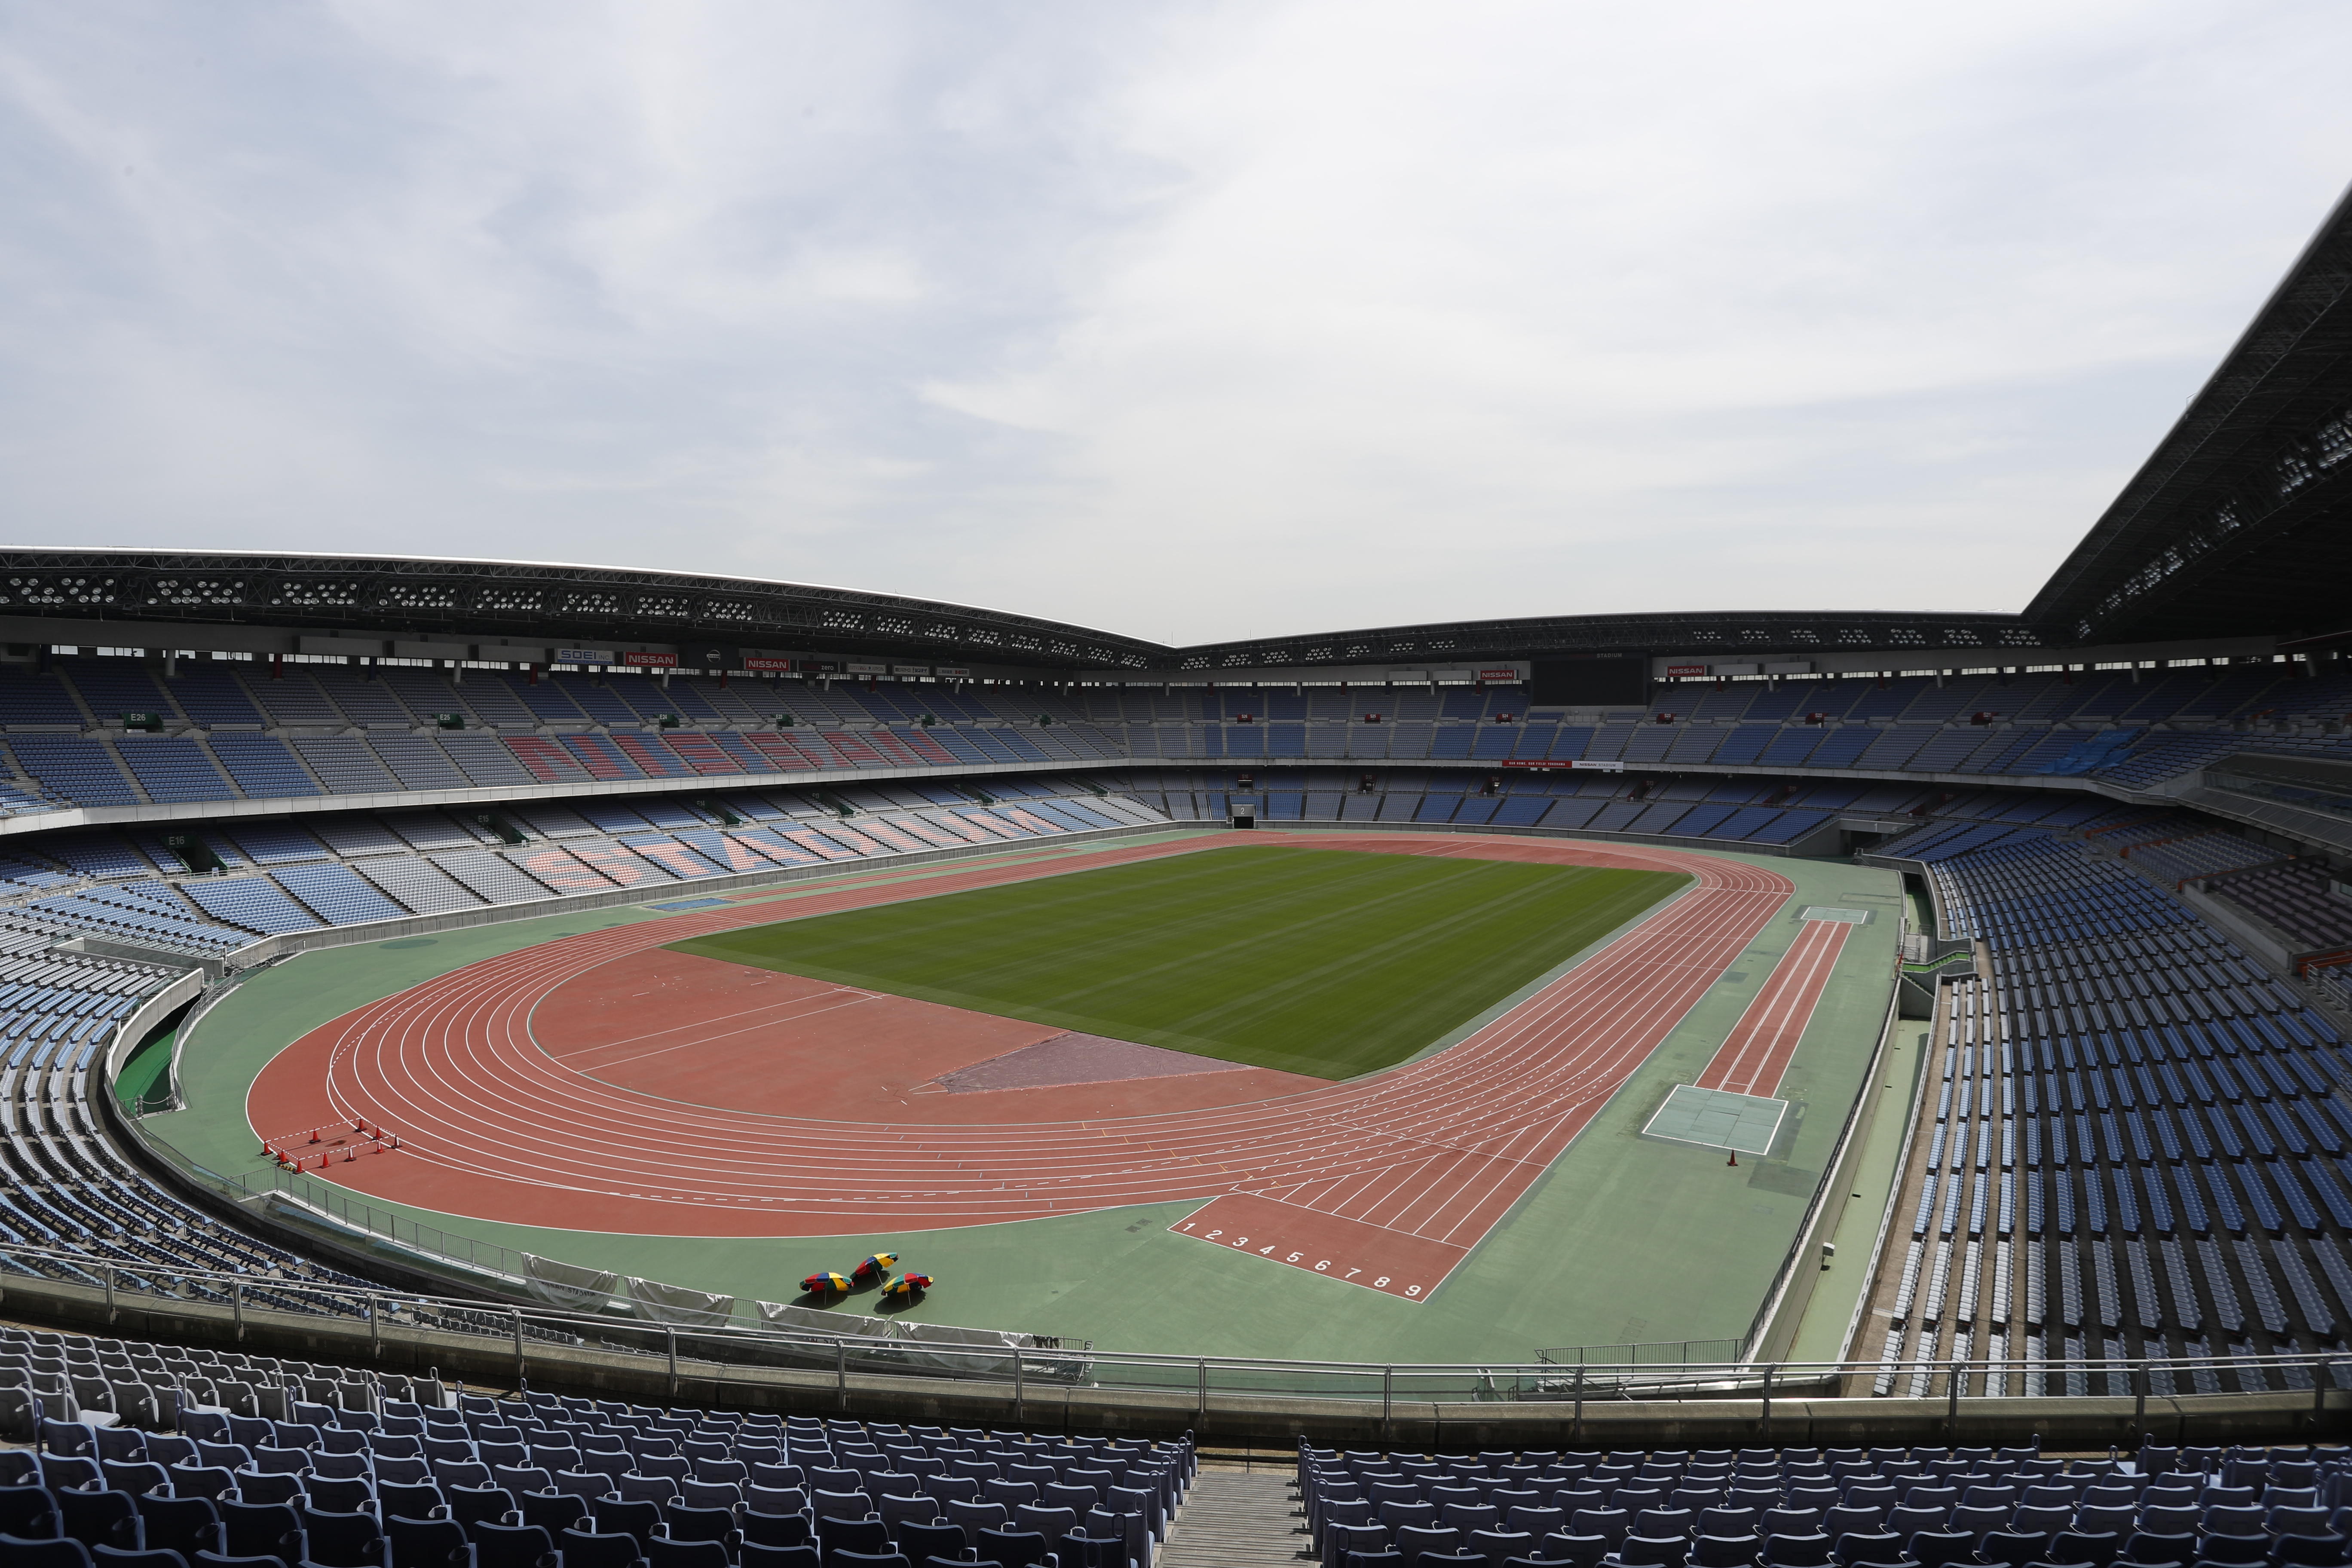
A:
852, 1535
1726, 1550
584, 1550
1011, 1549
828, 1504
919, 1539
101, 1519
788, 1529
621, 1516
896, 1511
554, 1511
341, 1539
475, 1505
977, 1517
510, 1545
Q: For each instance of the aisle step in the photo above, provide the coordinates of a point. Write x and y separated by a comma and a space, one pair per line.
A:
1237, 1520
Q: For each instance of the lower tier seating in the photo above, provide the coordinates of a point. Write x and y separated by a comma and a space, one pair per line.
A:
254, 1458
1812, 1508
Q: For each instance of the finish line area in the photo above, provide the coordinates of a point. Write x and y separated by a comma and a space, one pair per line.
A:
1074, 1205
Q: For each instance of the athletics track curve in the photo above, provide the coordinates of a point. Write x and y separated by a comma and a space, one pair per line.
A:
1388, 1180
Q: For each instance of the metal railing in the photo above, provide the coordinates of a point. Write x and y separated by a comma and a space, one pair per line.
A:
1652, 1352
323, 1209
541, 1333
307, 1203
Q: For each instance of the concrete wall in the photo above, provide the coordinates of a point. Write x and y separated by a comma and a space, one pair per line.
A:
1784, 1309
1800, 1417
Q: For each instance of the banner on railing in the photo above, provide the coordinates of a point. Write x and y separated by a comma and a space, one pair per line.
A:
677, 1304
568, 1284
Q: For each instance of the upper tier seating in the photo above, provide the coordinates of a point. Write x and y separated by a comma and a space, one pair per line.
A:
571, 727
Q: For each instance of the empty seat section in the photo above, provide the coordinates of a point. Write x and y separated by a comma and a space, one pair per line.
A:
172, 770
262, 767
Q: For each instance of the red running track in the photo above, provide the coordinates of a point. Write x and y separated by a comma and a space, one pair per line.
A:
1756, 1052
1388, 1180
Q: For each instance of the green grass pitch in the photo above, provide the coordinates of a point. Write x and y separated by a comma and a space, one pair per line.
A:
1327, 962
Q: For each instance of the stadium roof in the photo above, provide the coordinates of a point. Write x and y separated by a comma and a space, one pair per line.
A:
2237, 524
567, 606
1717, 633
575, 605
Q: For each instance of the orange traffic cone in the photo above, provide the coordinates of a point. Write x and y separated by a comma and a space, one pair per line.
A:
1734, 1161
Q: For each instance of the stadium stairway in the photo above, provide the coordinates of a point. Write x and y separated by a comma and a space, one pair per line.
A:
1236, 1519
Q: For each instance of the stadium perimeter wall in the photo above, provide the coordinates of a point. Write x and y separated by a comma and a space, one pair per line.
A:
1805, 1419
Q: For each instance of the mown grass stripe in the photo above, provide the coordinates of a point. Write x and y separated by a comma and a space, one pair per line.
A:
1326, 963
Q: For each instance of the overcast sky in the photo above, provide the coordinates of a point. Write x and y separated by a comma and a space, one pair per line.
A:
1186, 321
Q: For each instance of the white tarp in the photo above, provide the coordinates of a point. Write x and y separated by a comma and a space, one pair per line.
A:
906, 1337
675, 1304
568, 1284
894, 1341
812, 1321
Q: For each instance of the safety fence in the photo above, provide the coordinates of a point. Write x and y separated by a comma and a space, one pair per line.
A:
543, 1337
324, 1211
1655, 1352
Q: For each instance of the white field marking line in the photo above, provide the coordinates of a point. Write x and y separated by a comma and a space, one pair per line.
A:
1229, 1155
1791, 1012
1762, 1023
492, 977
1793, 1009
445, 1101
1539, 1149
898, 1177
1385, 1202
1315, 1214
901, 1177
857, 998
747, 1014
1625, 1032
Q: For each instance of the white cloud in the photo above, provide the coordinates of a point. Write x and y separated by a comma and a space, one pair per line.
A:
1208, 320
